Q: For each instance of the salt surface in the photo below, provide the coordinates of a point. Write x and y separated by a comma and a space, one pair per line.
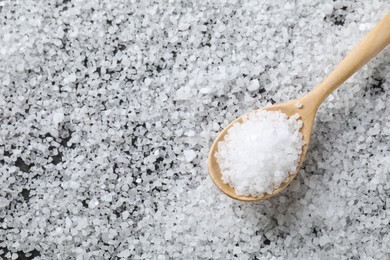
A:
257, 155
113, 123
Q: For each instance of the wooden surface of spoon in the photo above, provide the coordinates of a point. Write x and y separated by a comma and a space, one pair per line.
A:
371, 45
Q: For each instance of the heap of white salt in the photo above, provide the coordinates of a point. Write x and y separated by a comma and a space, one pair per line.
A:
257, 155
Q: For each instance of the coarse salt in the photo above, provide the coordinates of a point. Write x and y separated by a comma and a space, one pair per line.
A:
258, 154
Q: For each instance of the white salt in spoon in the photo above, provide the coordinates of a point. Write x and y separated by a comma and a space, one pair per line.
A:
371, 45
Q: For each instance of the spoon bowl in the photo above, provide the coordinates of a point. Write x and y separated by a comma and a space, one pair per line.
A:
289, 108
377, 39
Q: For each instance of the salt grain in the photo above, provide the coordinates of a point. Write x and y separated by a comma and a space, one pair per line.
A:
72, 78
3, 202
58, 117
189, 155
93, 203
124, 254
298, 104
253, 85
183, 26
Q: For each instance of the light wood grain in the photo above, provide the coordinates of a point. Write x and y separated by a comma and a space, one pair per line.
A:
371, 45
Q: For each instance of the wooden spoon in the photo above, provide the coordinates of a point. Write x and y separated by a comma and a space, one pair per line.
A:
371, 45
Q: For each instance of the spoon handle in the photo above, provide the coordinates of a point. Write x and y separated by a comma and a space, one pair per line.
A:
376, 40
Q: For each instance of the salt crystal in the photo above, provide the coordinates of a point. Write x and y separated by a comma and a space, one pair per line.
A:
4, 202
324, 240
20, 66
125, 214
73, 185
6, 80
11, 179
148, 81
58, 117
203, 28
93, 203
204, 90
124, 254
327, 9
253, 85
183, 26
83, 223
106, 197
189, 155
72, 78
298, 104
